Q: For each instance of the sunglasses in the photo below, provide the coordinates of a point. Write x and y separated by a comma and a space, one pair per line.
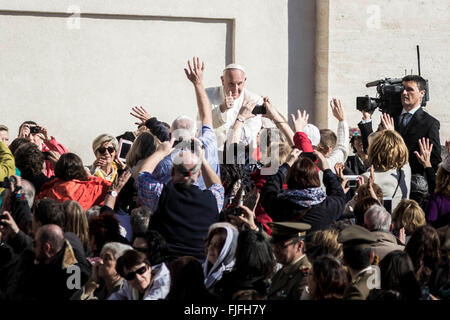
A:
131, 275
102, 150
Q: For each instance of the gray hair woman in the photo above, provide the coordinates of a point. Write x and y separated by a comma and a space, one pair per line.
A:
105, 149
104, 280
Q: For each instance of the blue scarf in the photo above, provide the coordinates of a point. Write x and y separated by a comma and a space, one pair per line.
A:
304, 197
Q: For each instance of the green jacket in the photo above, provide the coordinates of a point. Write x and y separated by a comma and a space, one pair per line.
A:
289, 282
7, 164
358, 289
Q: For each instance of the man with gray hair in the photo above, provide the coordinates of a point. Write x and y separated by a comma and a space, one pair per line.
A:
379, 222
182, 211
227, 100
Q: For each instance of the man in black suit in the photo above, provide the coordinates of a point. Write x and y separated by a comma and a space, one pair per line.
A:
413, 123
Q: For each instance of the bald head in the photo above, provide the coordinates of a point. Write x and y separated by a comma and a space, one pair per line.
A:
49, 241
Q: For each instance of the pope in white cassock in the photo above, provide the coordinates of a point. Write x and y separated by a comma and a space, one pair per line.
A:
227, 100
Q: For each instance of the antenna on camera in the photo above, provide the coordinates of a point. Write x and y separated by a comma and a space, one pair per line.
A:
418, 58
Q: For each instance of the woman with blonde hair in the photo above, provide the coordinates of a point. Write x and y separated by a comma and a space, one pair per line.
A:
76, 222
388, 155
409, 215
105, 149
144, 145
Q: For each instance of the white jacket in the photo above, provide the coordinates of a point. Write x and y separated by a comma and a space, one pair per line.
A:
158, 289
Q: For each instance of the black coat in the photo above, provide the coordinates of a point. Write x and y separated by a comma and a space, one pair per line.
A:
320, 216
422, 124
183, 218
233, 281
31, 281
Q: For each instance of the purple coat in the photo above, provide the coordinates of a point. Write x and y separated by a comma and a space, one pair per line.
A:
438, 206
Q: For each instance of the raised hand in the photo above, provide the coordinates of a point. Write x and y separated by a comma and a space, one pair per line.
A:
360, 181
228, 102
337, 109
292, 157
140, 113
367, 115
370, 183
100, 162
402, 235
195, 73
53, 156
120, 163
8, 226
120, 181
425, 152
246, 110
387, 121
24, 131
199, 149
300, 121
339, 168
323, 163
166, 147
44, 133
247, 218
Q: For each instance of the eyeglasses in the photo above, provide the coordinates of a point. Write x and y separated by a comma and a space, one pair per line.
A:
131, 275
102, 150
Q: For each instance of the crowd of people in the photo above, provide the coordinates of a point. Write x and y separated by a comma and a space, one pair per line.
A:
234, 205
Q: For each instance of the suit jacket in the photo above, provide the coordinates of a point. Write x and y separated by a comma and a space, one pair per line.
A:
421, 125
289, 282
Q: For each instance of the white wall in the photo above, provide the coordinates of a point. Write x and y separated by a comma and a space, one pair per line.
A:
81, 82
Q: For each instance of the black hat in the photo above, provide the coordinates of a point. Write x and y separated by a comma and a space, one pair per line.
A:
288, 230
355, 235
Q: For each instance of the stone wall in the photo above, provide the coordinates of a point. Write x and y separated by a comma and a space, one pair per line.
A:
371, 40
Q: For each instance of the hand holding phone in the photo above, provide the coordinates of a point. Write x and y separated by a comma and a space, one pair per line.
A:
124, 148
259, 109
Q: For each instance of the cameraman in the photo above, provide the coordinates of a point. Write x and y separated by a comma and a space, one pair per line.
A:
413, 123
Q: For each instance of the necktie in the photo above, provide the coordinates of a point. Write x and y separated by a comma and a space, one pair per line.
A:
405, 119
